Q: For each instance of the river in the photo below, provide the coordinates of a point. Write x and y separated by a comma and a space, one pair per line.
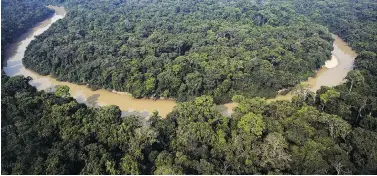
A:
331, 74
129, 106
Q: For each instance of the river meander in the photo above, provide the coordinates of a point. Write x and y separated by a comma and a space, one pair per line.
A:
338, 67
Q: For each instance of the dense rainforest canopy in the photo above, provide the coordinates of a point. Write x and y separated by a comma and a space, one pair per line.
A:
182, 49
332, 131
354, 20
19, 16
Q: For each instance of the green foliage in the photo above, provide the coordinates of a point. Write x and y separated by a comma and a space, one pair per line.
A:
62, 91
47, 134
252, 124
330, 94
18, 16
354, 21
364, 150
275, 156
192, 48
165, 165
189, 49
255, 105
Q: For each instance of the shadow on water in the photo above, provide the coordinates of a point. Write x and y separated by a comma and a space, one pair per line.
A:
36, 84
143, 114
93, 100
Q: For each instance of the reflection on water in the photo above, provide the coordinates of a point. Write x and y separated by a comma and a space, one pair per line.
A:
333, 62
14, 53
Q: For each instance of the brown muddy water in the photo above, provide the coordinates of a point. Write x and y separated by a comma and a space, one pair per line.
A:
338, 67
15, 52
331, 74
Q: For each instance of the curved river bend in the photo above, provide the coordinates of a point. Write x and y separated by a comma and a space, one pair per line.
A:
15, 52
338, 67
331, 74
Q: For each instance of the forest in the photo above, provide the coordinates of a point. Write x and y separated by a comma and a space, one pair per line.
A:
14, 23
354, 21
182, 50
331, 131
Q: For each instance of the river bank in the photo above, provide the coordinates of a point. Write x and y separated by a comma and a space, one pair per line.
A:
130, 106
338, 67
331, 74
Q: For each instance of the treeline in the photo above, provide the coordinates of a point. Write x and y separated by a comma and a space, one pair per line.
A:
182, 50
354, 21
332, 132
19, 16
